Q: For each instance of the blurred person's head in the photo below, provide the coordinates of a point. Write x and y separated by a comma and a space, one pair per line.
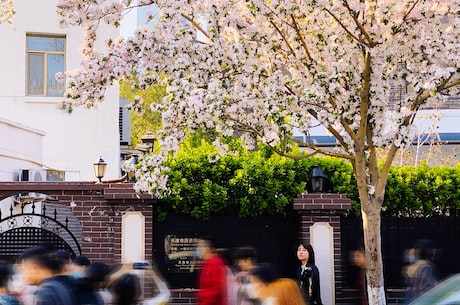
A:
97, 274
6, 273
306, 254
79, 265
358, 258
286, 292
63, 261
246, 258
36, 265
126, 290
206, 247
260, 278
424, 249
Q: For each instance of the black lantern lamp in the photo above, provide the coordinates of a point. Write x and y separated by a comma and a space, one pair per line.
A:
317, 180
99, 169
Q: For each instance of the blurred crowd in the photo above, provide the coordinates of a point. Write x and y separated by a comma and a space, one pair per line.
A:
44, 277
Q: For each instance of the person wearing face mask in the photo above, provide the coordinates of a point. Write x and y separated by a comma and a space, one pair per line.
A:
6, 273
213, 275
246, 259
78, 266
260, 279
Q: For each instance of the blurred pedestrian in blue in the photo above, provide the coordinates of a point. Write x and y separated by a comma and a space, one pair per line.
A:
421, 275
38, 268
87, 287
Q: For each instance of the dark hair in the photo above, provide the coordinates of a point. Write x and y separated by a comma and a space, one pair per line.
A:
6, 271
97, 272
81, 261
425, 249
126, 289
247, 252
60, 258
264, 272
226, 256
209, 240
311, 253
40, 255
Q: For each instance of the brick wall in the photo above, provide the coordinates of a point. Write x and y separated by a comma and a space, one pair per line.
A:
98, 208
320, 207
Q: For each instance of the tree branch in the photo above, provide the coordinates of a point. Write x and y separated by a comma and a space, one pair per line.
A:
302, 40
364, 99
344, 27
319, 150
398, 28
196, 25
371, 43
283, 36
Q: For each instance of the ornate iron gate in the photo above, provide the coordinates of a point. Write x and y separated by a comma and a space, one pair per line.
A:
27, 228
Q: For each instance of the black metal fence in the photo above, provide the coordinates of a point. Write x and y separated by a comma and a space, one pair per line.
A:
399, 234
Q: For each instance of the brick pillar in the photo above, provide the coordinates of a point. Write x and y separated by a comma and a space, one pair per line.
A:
324, 209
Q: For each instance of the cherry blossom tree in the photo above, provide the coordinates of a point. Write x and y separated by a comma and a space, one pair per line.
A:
6, 11
268, 68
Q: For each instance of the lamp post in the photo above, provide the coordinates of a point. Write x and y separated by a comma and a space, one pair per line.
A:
99, 169
148, 141
317, 182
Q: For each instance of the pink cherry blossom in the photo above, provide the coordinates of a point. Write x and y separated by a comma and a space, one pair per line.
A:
267, 68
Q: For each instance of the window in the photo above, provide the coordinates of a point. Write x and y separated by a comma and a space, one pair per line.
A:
45, 65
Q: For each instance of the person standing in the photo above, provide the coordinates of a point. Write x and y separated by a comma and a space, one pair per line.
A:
213, 275
308, 274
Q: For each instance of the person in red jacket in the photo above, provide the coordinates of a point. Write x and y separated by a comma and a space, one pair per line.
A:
213, 275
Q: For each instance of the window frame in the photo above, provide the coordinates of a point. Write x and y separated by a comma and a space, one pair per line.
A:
45, 63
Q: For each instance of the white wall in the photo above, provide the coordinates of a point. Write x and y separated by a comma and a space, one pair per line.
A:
71, 142
20, 146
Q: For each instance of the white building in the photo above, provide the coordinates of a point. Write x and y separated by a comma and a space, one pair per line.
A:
35, 132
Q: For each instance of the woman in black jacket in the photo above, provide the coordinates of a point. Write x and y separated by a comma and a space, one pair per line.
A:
308, 274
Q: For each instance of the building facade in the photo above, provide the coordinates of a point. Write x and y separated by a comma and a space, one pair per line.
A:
36, 53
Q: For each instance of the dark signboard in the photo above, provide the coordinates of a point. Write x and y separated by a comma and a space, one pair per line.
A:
179, 253
175, 239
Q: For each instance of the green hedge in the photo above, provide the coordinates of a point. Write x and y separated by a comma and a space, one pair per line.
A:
423, 190
256, 183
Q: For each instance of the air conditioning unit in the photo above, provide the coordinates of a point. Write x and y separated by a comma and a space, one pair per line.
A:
32, 175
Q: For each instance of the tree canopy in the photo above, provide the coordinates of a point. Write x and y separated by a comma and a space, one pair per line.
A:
267, 69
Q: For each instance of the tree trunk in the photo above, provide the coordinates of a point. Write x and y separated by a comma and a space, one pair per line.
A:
373, 245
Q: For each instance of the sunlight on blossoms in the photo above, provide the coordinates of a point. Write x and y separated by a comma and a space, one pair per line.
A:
361, 70
6, 11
